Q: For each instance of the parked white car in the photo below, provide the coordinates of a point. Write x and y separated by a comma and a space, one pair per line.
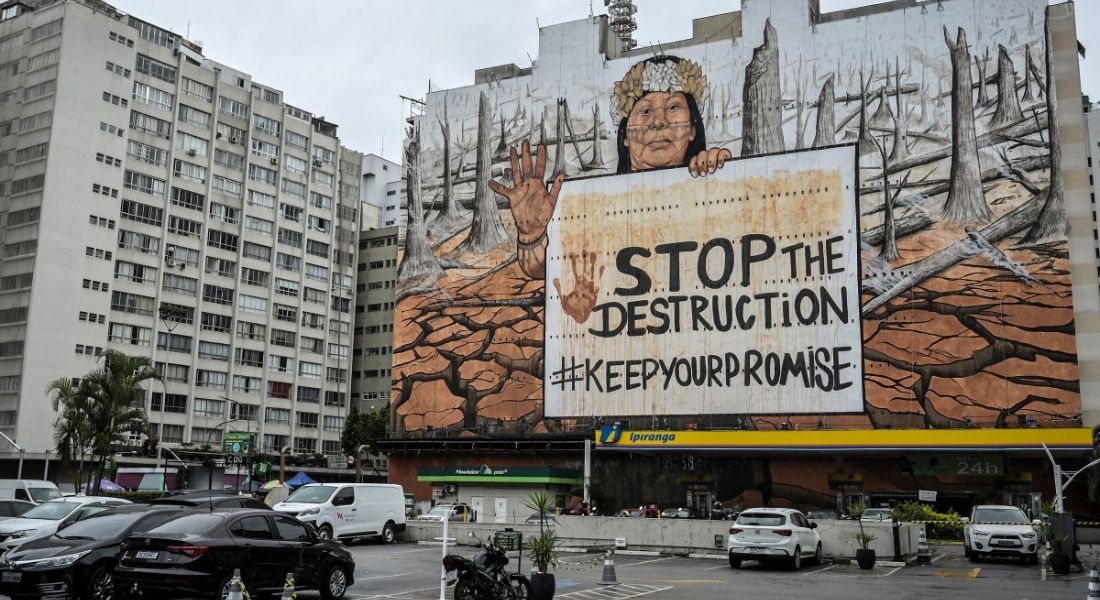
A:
1000, 530
779, 535
45, 519
349, 510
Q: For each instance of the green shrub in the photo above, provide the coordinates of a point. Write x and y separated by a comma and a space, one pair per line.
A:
142, 497
949, 525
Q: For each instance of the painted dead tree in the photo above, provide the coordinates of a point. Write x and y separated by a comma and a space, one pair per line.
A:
762, 120
901, 118
1008, 105
486, 230
965, 200
826, 119
447, 219
1051, 224
418, 265
983, 94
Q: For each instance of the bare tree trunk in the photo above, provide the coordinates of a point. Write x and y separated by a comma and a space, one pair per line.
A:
762, 121
800, 109
889, 249
883, 117
502, 147
866, 142
965, 200
418, 263
559, 152
727, 98
826, 118
1028, 98
597, 153
983, 97
1051, 224
486, 230
901, 120
1033, 68
448, 217
1008, 105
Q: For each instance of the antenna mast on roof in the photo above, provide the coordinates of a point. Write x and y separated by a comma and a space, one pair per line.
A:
622, 21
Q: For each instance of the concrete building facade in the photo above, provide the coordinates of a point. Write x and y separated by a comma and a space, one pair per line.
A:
374, 298
162, 204
382, 190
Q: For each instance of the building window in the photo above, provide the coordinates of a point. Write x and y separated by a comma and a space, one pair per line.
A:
215, 322
185, 227
277, 415
251, 304
188, 199
217, 294
251, 331
265, 125
214, 380
173, 342
261, 199
214, 350
155, 97
151, 125
173, 403
145, 183
122, 333
250, 358
257, 251
155, 68
190, 87
229, 160
222, 240
228, 187
191, 145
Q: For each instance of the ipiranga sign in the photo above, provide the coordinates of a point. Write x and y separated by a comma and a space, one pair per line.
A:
737, 293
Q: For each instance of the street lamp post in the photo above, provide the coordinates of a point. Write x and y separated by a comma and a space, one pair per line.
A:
170, 316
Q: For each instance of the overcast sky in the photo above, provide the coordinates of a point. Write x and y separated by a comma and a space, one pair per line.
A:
350, 60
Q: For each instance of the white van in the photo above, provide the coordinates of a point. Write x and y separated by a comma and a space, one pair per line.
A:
32, 490
349, 510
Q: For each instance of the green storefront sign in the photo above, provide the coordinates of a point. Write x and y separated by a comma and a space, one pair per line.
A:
488, 474
966, 465
237, 443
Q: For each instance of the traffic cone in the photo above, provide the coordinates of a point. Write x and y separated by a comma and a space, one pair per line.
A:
236, 586
288, 588
609, 570
924, 555
1094, 585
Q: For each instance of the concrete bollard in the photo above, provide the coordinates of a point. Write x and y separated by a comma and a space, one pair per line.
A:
924, 555
288, 588
609, 571
236, 586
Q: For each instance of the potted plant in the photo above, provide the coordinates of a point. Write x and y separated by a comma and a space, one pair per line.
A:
1057, 557
543, 549
865, 556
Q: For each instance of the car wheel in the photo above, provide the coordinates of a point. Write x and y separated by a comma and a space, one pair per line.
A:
389, 533
975, 556
816, 560
966, 551
735, 563
796, 559
324, 532
99, 585
335, 583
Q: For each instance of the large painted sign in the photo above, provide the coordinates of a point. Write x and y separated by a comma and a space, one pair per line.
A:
964, 312
737, 293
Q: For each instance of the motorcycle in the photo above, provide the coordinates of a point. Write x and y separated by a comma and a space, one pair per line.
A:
484, 577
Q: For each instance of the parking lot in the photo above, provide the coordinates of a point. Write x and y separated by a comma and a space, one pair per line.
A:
411, 572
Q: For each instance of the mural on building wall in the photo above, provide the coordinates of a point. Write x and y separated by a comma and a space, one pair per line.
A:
966, 298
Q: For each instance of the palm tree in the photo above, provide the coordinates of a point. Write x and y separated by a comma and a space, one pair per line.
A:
116, 402
72, 432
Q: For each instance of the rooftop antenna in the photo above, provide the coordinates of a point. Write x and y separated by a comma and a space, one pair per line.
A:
623, 22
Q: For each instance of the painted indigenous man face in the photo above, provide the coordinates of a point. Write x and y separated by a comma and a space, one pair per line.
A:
658, 131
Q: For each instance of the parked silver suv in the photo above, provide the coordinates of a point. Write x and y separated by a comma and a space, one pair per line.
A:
1000, 530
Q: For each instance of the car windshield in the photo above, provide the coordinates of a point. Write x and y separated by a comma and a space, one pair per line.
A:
442, 510
1000, 515
44, 494
761, 519
196, 524
50, 511
101, 526
314, 494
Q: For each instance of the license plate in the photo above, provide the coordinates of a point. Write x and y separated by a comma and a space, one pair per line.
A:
452, 575
146, 555
755, 550
11, 577
1005, 543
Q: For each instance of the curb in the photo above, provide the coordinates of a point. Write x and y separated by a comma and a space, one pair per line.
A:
707, 556
638, 553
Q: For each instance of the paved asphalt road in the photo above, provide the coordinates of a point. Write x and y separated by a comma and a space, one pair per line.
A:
411, 572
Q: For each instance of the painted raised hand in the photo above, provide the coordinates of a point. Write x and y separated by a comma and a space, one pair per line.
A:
580, 302
532, 204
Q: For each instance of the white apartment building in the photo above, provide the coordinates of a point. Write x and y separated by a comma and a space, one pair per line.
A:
162, 204
382, 189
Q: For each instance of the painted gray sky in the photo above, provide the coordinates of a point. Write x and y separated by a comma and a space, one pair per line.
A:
348, 60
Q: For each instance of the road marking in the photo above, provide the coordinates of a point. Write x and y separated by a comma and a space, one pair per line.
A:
644, 562
937, 558
895, 570
687, 581
619, 592
974, 574
716, 568
393, 594
820, 570
971, 574
358, 578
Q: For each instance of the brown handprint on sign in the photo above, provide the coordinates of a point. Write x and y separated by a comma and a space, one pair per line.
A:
580, 302
532, 207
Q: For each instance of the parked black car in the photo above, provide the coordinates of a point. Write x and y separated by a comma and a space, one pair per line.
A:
211, 500
194, 557
78, 559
